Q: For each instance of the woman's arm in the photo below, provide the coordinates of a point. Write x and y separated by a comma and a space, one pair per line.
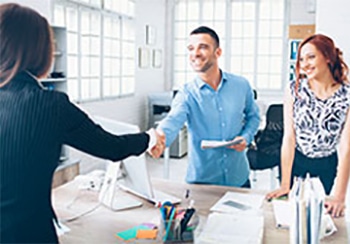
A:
288, 146
336, 205
79, 131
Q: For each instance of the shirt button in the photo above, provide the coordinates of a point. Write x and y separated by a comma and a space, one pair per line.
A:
226, 170
225, 155
220, 109
223, 124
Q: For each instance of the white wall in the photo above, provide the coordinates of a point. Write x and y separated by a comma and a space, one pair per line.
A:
42, 6
134, 109
131, 109
332, 19
301, 12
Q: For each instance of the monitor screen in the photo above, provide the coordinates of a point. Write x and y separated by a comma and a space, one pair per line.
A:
130, 174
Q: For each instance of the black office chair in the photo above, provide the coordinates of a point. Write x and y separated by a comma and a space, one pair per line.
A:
265, 151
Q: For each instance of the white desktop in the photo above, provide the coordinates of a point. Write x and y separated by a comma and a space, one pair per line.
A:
131, 174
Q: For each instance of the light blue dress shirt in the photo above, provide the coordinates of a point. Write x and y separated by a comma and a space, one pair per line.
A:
214, 115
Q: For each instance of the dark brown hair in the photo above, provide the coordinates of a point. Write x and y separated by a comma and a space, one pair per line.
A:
26, 42
207, 30
325, 45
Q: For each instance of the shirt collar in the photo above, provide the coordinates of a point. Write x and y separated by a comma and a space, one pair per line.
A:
24, 78
200, 83
35, 78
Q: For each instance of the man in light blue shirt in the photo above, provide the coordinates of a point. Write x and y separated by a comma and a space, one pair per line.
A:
216, 106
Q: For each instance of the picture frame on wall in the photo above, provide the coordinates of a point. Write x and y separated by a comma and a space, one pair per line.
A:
144, 57
157, 58
150, 35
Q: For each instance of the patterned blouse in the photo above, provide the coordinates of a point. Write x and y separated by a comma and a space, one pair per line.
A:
318, 123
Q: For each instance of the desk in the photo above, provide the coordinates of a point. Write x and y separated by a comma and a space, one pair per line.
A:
66, 171
101, 225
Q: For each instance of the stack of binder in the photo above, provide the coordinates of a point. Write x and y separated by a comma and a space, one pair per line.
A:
307, 198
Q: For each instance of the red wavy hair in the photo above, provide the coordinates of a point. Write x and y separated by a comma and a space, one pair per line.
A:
326, 46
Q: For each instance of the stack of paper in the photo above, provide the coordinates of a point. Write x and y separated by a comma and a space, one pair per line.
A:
231, 228
237, 219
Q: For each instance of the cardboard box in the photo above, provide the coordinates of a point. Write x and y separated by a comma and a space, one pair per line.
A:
301, 31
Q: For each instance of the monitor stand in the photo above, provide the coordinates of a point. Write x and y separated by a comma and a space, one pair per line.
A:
108, 196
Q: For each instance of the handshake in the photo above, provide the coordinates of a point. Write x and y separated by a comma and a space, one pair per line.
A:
156, 145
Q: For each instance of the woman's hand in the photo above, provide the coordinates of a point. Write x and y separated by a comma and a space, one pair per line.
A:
278, 193
335, 206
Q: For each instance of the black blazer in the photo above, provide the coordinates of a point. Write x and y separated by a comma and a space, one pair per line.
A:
34, 123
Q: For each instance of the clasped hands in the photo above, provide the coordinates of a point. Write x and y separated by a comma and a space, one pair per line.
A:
159, 147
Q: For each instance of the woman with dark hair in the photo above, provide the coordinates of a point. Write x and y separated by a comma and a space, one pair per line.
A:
34, 123
317, 121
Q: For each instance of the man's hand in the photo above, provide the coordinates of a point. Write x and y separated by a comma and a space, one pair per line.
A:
159, 148
241, 146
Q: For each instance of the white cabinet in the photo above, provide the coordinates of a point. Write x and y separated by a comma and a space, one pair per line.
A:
178, 148
159, 106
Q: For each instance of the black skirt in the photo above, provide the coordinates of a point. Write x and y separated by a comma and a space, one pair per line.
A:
325, 168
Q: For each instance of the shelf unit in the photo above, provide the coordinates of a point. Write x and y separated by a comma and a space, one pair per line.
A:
297, 33
57, 79
293, 51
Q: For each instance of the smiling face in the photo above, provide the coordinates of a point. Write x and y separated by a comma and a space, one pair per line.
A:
203, 52
313, 63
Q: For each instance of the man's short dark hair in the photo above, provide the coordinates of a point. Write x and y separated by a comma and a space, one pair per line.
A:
207, 30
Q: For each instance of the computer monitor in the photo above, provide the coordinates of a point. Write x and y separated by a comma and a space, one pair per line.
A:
130, 174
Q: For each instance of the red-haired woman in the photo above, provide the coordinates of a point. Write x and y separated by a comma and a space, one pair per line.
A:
317, 121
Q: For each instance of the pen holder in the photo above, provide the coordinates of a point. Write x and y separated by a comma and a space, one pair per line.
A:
175, 231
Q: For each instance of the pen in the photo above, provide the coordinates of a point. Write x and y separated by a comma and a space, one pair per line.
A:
188, 214
169, 224
187, 193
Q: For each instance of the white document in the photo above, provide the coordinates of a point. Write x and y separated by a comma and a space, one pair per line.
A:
229, 228
282, 211
234, 202
215, 144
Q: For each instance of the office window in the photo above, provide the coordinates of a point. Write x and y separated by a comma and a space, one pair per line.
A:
96, 34
251, 35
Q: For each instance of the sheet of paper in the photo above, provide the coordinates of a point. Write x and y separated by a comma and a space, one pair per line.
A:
228, 228
215, 144
234, 202
283, 213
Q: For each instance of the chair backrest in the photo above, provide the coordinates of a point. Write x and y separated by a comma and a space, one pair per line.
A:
268, 141
274, 113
